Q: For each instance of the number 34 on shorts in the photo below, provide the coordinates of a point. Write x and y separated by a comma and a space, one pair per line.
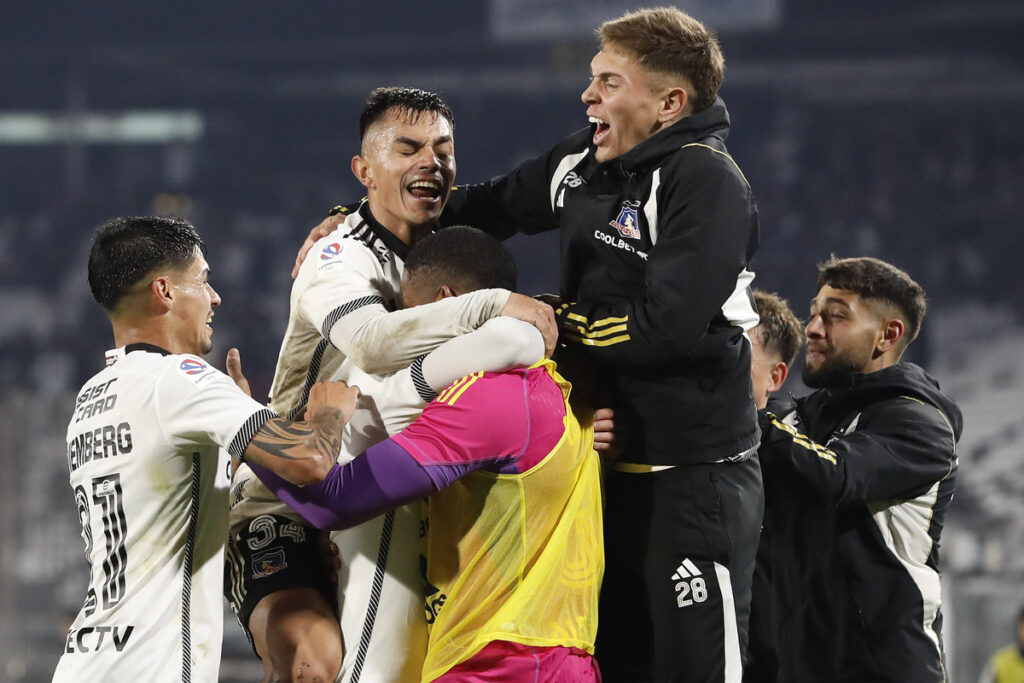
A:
689, 584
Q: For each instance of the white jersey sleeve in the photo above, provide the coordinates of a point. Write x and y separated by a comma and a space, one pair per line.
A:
344, 300
497, 345
199, 404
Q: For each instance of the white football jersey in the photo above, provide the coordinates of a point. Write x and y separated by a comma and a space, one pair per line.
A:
346, 296
344, 302
148, 458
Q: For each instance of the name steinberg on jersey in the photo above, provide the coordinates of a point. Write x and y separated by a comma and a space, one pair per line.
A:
149, 447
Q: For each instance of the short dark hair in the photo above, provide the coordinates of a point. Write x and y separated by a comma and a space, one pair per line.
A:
670, 41
464, 258
873, 278
780, 330
409, 101
125, 250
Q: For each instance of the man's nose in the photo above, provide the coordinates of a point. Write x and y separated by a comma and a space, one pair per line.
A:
427, 159
589, 95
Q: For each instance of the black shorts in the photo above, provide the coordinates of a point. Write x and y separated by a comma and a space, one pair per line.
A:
273, 553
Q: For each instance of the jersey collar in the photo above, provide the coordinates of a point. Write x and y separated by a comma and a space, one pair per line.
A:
400, 248
114, 355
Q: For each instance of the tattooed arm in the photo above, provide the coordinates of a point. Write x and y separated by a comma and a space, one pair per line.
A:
304, 452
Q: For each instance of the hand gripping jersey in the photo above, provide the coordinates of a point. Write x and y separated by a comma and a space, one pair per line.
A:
343, 325
148, 460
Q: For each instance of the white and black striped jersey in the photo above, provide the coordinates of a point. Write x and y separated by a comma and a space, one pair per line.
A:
148, 457
344, 325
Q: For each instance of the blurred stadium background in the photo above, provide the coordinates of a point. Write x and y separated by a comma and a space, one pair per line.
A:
879, 128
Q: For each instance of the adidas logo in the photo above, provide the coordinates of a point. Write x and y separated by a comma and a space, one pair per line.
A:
686, 570
690, 586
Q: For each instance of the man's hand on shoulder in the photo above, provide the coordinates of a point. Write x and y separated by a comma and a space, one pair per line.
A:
333, 396
538, 314
552, 300
326, 227
304, 452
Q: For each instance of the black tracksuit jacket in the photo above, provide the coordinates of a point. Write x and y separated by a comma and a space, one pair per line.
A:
655, 246
857, 485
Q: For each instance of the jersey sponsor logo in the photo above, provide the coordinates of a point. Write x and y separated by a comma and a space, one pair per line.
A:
268, 562
94, 639
331, 251
331, 255
191, 366
93, 392
433, 598
95, 400
619, 243
198, 370
626, 222
100, 405
689, 584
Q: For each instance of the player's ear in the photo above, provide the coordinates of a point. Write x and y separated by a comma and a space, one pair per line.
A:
778, 376
161, 292
892, 333
361, 170
673, 104
445, 292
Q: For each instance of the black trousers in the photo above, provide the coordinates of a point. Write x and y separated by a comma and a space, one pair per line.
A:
679, 556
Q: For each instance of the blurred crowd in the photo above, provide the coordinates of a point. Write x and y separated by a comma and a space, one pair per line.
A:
932, 191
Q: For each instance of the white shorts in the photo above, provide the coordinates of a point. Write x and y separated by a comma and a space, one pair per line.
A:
380, 599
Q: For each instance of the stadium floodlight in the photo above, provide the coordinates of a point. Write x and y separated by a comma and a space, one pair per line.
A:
108, 128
